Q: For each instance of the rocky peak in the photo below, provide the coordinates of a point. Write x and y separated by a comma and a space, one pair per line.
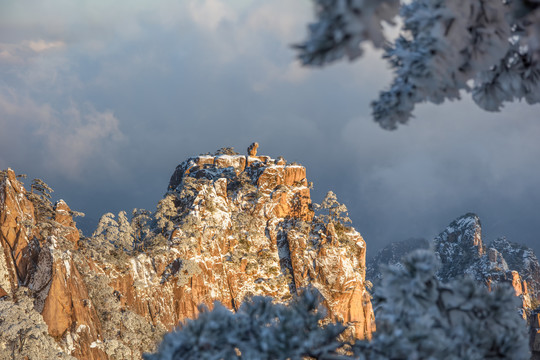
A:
64, 217
459, 246
461, 253
284, 184
228, 228
36, 259
262, 207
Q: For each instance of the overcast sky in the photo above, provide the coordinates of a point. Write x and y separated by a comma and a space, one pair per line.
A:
103, 99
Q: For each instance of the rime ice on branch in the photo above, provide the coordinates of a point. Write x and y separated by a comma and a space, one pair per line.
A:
490, 49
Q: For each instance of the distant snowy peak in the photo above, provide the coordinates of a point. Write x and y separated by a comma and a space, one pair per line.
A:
465, 231
462, 253
459, 246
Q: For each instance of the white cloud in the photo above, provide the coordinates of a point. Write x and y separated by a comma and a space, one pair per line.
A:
210, 14
182, 76
286, 19
42, 45
27, 51
62, 140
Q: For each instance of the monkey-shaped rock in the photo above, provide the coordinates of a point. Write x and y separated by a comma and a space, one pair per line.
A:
252, 149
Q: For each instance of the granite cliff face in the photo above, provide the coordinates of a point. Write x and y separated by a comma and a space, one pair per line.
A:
37, 265
229, 227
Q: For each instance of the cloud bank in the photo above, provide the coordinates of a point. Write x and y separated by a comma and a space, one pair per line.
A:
103, 100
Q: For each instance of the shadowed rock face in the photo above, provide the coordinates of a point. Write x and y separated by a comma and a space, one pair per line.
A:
239, 226
459, 246
462, 253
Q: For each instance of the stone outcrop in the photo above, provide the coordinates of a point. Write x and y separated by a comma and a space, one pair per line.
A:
258, 237
521, 259
252, 149
62, 215
459, 246
235, 226
38, 256
462, 252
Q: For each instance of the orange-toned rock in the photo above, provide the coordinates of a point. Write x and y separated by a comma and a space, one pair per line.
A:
252, 149
272, 257
238, 163
244, 226
16, 218
29, 259
63, 216
516, 283
57, 310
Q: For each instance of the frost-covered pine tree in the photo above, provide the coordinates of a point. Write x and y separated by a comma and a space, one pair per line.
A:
166, 210
23, 333
490, 48
419, 317
260, 329
40, 196
332, 211
140, 223
119, 233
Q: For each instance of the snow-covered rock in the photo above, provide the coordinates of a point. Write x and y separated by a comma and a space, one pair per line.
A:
230, 227
36, 243
462, 253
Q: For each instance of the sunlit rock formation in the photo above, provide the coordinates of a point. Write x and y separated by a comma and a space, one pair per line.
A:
229, 227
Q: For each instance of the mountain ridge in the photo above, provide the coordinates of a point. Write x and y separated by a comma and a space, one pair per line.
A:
462, 252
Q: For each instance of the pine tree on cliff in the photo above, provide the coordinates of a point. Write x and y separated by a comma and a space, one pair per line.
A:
490, 49
332, 211
40, 196
418, 317
165, 212
140, 223
119, 233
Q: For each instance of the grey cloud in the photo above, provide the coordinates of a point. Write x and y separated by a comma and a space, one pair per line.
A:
61, 140
136, 94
